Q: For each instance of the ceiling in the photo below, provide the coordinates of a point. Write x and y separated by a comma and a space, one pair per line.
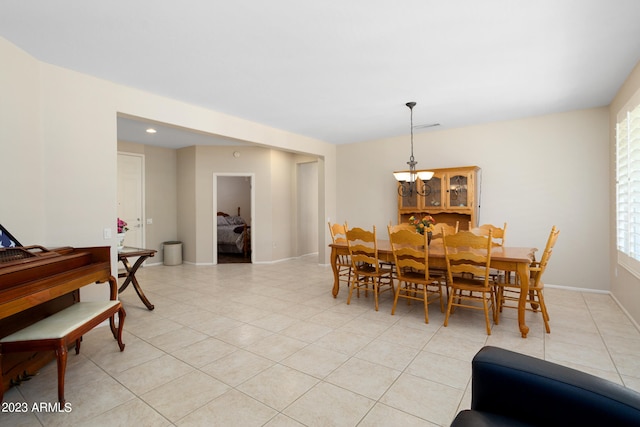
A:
341, 71
134, 129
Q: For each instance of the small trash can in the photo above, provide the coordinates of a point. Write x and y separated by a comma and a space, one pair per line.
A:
172, 253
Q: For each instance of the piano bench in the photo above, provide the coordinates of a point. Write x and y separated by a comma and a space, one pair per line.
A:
61, 329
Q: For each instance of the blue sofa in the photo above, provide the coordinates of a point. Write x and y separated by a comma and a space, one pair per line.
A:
511, 389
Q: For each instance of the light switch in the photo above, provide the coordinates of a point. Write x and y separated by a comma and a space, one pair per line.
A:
107, 233
149, 221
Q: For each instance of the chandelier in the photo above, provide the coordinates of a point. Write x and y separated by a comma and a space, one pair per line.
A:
408, 184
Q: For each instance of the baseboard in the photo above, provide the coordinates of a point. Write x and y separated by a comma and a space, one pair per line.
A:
154, 264
625, 312
576, 289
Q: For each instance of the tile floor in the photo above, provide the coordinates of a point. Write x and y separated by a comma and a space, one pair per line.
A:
267, 345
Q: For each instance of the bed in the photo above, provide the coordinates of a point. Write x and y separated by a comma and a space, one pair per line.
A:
233, 234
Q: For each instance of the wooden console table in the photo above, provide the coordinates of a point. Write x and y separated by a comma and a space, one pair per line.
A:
130, 273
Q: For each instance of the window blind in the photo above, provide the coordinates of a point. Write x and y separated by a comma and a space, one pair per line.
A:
628, 188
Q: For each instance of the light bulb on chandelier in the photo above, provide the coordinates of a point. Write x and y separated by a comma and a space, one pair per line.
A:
408, 180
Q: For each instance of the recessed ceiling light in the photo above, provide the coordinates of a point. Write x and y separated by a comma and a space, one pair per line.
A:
151, 130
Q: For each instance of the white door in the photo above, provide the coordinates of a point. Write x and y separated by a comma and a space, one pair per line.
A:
131, 196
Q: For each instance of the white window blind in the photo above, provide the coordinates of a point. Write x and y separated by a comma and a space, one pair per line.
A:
628, 188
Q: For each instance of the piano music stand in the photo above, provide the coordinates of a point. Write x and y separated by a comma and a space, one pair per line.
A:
7, 240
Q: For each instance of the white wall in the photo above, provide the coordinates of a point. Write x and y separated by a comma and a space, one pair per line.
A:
282, 205
536, 172
186, 208
160, 198
59, 135
306, 208
214, 160
235, 192
22, 210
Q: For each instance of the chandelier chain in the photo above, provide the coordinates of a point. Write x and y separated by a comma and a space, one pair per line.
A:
411, 109
408, 182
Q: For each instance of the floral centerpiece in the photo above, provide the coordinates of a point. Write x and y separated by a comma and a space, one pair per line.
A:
122, 228
424, 224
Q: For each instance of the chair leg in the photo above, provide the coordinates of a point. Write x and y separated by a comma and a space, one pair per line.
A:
441, 297
353, 283
494, 307
396, 294
543, 309
500, 298
486, 313
426, 304
532, 300
376, 290
449, 304
460, 296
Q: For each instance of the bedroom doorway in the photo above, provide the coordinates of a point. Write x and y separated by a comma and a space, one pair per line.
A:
233, 218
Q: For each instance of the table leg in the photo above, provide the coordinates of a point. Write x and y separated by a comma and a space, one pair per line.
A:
334, 267
131, 278
127, 267
523, 276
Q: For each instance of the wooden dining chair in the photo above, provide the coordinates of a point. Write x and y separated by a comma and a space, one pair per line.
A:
535, 297
499, 236
366, 271
468, 259
441, 227
402, 226
343, 263
411, 256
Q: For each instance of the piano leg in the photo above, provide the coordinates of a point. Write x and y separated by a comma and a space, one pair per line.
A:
61, 357
117, 331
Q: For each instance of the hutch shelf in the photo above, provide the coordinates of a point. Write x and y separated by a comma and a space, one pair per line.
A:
451, 195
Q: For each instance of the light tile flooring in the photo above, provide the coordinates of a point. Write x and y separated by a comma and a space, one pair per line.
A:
267, 345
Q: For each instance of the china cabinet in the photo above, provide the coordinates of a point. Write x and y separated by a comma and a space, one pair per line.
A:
451, 195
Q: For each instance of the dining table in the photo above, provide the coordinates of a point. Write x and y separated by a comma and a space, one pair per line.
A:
503, 258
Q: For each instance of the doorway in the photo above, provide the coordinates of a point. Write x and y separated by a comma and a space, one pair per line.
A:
131, 197
233, 209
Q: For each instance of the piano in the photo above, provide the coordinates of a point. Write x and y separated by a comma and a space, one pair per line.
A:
35, 283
